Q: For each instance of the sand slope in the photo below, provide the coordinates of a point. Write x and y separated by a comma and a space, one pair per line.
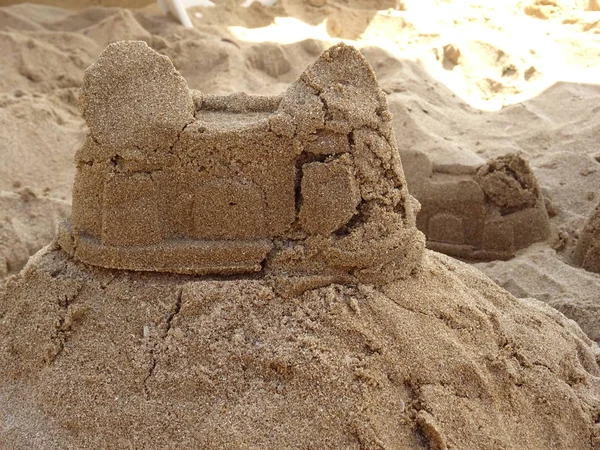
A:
29, 223
444, 359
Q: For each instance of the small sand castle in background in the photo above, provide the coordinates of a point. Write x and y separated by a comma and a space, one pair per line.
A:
479, 212
587, 250
308, 183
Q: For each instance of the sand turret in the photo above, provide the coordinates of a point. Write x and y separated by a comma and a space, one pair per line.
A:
309, 182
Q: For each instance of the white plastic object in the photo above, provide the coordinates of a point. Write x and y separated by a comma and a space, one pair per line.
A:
178, 9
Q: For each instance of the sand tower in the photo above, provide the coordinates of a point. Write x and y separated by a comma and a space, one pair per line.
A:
587, 250
304, 183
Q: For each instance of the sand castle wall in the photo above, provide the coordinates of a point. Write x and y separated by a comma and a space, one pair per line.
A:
442, 359
306, 183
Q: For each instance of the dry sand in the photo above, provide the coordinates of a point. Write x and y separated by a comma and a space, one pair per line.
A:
81, 4
447, 68
443, 359
587, 251
432, 59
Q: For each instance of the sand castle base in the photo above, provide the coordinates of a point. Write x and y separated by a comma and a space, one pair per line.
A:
177, 256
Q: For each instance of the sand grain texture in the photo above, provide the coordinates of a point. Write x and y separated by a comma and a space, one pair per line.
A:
115, 358
28, 224
587, 250
306, 184
442, 359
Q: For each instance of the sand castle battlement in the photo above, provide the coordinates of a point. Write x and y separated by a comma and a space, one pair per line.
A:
306, 183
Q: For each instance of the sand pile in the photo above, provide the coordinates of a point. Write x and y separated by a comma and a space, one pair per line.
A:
540, 273
429, 354
443, 359
31, 222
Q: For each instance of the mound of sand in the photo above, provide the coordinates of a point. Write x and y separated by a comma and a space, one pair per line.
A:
27, 223
539, 272
443, 359
396, 347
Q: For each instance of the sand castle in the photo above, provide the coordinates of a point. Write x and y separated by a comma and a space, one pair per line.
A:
306, 183
587, 251
379, 344
478, 212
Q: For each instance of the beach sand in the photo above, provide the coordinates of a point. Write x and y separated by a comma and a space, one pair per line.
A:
461, 85
466, 82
